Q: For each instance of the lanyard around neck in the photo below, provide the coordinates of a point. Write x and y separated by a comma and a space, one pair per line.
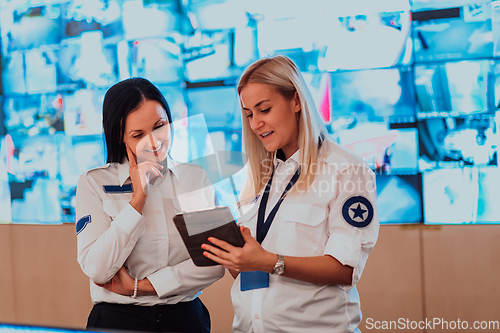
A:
263, 227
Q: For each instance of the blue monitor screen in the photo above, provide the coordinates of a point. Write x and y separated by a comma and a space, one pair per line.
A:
454, 88
368, 41
14, 328
457, 142
43, 171
53, 47
460, 32
372, 115
333, 35
413, 87
495, 21
459, 163
219, 105
385, 149
495, 91
154, 58
458, 195
52, 139
214, 56
31, 27
417, 5
375, 94
399, 198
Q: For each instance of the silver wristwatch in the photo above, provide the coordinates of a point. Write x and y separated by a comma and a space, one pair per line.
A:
279, 268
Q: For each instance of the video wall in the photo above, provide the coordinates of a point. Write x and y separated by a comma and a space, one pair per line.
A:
411, 86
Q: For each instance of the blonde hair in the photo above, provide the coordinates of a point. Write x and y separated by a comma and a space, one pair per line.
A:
281, 73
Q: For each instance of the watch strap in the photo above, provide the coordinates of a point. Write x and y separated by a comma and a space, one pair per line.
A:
279, 267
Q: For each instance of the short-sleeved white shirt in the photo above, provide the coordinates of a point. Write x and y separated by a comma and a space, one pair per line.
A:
337, 216
111, 233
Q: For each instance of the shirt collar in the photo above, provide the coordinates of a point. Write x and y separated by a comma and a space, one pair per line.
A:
123, 170
294, 157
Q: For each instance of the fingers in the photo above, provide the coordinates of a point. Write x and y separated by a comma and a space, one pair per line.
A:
131, 156
147, 165
218, 260
221, 257
156, 172
218, 252
149, 175
149, 172
220, 243
247, 235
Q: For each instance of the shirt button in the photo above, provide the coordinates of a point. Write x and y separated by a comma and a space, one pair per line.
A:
256, 316
158, 212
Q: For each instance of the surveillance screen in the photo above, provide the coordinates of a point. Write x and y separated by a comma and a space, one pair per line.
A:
461, 195
458, 32
458, 142
459, 163
399, 198
454, 88
373, 115
413, 87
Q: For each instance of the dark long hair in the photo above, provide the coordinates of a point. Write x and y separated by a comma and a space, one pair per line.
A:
120, 100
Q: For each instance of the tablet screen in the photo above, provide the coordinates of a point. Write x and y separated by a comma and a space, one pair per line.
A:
196, 227
201, 221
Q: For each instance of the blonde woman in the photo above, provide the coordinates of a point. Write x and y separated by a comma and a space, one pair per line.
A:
310, 219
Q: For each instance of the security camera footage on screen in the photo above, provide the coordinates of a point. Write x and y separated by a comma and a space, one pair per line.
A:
410, 86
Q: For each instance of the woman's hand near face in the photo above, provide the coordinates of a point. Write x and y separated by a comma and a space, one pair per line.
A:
250, 257
142, 175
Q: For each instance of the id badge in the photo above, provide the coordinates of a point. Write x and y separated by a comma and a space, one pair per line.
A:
254, 280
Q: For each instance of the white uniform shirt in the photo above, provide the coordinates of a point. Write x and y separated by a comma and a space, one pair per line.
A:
337, 216
111, 233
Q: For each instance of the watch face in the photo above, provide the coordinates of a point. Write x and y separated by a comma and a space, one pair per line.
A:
279, 270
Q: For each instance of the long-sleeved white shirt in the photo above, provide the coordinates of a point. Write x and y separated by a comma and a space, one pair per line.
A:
336, 216
112, 234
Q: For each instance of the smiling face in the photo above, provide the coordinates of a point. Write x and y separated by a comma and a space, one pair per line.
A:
147, 132
272, 117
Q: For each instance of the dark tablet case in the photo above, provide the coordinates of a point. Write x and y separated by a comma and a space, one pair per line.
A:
229, 232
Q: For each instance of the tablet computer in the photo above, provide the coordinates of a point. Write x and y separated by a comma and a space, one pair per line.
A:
195, 227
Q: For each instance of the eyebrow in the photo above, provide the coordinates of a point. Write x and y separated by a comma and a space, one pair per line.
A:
139, 130
256, 105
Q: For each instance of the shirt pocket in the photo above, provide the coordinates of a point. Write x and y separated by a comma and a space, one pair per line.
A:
248, 216
114, 207
300, 230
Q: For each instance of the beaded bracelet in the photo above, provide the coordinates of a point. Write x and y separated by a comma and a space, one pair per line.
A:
135, 289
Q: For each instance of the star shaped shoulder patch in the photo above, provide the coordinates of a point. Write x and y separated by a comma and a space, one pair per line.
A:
358, 211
